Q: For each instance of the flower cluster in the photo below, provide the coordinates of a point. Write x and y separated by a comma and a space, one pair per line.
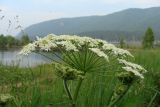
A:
66, 72
132, 67
4, 98
99, 53
28, 49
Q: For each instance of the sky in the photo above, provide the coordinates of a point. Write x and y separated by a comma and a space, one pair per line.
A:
27, 12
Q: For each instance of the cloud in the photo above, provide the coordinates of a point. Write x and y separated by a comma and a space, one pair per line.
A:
148, 2
39, 16
57, 1
24, 19
111, 2
4, 8
133, 2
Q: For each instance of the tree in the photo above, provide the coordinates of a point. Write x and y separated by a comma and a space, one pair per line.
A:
25, 39
148, 39
10, 41
2, 41
121, 42
17, 42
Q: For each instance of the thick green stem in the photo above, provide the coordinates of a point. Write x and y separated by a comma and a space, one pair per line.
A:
77, 90
112, 104
68, 93
3, 105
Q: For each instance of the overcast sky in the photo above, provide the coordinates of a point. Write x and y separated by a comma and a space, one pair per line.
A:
33, 11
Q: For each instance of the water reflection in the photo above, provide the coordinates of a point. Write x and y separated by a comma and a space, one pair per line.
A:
12, 58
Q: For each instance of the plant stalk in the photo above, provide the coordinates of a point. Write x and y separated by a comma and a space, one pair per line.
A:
69, 93
112, 104
77, 90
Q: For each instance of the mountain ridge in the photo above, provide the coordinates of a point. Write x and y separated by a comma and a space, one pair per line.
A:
128, 20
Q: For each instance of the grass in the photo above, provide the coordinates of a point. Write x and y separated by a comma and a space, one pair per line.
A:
39, 87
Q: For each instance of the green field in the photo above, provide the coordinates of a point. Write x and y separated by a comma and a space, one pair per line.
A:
39, 87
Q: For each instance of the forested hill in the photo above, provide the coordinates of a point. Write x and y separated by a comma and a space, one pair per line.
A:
130, 23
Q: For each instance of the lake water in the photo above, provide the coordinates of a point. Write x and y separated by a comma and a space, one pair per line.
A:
12, 58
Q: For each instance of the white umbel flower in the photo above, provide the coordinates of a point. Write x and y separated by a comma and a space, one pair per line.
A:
74, 43
77, 43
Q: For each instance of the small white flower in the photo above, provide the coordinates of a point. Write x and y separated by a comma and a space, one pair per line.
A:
91, 42
108, 47
122, 52
135, 72
116, 51
68, 45
45, 43
27, 49
99, 53
132, 65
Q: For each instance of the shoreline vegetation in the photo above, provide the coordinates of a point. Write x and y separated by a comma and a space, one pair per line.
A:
10, 42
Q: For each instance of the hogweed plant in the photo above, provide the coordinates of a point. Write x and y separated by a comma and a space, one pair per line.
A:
79, 56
